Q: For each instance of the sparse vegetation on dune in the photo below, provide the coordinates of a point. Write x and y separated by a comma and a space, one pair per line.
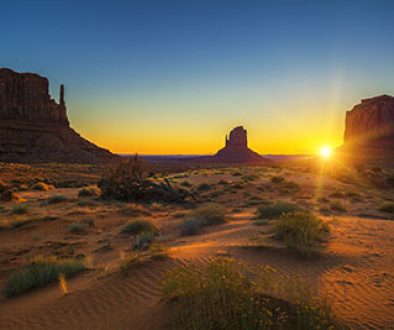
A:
129, 182
56, 199
275, 210
41, 272
20, 209
204, 215
138, 226
302, 231
42, 186
222, 296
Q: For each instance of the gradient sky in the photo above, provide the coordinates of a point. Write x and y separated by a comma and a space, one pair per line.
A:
169, 77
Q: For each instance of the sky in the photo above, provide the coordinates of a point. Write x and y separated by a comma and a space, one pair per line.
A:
173, 77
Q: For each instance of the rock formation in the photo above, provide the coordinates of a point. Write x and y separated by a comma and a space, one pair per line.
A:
34, 128
369, 129
236, 149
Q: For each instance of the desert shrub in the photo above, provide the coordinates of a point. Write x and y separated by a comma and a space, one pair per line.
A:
41, 272
56, 199
204, 215
277, 179
144, 240
291, 186
300, 230
212, 213
221, 296
81, 226
192, 226
20, 209
249, 177
42, 186
186, 184
139, 226
204, 187
9, 195
337, 206
91, 191
261, 222
236, 174
275, 210
387, 208
128, 182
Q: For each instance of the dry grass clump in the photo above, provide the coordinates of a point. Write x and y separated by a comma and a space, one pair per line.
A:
301, 230
81, 226
91, 191
41, 272
275, 210
138, 226
222, 296
204, 215
57, 199
20, 209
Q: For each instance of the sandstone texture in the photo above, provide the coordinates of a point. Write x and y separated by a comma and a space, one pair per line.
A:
369, 129
35, 128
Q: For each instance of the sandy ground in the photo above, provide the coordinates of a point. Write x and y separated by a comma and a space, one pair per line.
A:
355, 271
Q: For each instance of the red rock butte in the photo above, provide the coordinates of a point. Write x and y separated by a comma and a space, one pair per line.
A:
34, 128
369, 130
236, 149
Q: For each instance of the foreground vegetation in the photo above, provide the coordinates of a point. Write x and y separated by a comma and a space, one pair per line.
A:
222, 296
41, 272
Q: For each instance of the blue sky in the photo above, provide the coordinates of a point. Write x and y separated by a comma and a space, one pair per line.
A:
175, 76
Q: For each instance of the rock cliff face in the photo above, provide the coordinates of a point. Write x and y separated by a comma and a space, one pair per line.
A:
369, 129
236, 149
34, 128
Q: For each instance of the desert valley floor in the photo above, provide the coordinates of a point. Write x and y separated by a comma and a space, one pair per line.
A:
354, 270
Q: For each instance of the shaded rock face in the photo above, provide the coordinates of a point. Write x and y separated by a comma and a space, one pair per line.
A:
369, 131
34, 128
236, 149
371, 123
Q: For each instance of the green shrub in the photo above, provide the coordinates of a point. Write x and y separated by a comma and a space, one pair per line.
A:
221, 296
204, 215
212, 213
192, 226
138, 226
387, 208
144, 240
275, 210
300, 230
78, 227
20, 209
204, 187
41, 272
91, 191
56, 199
186, 184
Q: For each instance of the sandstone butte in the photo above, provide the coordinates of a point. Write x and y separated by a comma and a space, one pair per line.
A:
34, 128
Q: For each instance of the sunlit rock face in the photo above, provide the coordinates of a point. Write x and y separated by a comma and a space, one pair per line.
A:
236, 149
369, 129
35, 128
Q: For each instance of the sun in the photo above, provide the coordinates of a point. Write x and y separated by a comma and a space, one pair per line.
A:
325, 152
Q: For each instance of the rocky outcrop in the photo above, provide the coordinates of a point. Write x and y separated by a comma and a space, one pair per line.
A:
369, 129
35, 128
236, 149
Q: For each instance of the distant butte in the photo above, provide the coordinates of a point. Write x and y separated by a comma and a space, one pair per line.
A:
34, 128
369, 130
